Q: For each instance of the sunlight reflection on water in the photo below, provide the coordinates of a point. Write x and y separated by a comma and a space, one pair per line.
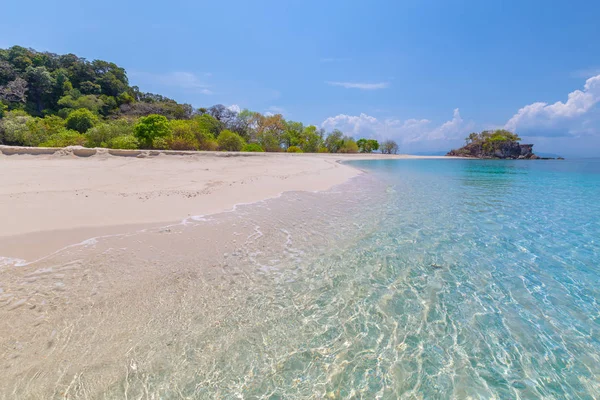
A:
426, 278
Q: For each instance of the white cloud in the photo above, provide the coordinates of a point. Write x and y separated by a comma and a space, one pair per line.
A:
551, 127
404, 132
361, 86
573, 117
178, 79
234, 108
276, 110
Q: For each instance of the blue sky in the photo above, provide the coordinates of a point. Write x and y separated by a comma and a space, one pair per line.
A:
423, 72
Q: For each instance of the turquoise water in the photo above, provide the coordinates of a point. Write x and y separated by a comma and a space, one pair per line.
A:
493, 281
419, 279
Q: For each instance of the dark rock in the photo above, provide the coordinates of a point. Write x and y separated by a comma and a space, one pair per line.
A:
506, 150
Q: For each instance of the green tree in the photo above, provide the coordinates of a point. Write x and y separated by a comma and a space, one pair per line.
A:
62, 85
230, 141
81, 120
206, 123
348, 145
149, 128
269, 131
472, 138
292, 136
367, 145
88, 87
312, 139
243, 124
334, 141
40, 83
74, 101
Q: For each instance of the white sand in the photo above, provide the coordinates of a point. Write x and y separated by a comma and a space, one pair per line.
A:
75, 197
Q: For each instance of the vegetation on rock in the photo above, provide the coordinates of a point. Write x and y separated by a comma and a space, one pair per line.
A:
499, 143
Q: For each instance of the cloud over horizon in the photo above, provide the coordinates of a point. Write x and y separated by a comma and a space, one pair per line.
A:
407, 132
577, 116
571, 118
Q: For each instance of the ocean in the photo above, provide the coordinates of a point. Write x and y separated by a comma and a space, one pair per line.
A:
422, 278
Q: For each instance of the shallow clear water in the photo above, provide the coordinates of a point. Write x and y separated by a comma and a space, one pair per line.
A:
419, 279
496, 272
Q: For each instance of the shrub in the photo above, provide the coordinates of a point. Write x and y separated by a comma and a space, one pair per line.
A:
101, 135
150, 128
269, 141
14, 129
81, 120
253, 147
125, 142
294, 149
51, 124
65, 138
183, 136
125, 98
348, 146
160, 143
20, 129
41, 129
230, 141
209, 145
323, 150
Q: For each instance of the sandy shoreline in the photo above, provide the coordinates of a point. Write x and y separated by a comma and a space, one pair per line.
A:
51, 198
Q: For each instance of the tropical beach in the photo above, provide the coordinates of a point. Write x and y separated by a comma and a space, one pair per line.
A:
312, 294
299, 200
57, 199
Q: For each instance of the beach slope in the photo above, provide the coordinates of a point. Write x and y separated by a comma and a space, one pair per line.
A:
50, 198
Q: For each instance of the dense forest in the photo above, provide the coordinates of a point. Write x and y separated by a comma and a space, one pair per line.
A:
52, 100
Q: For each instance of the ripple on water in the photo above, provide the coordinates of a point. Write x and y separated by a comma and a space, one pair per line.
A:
424, 279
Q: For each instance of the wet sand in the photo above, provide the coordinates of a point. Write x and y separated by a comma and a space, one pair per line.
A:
159, 313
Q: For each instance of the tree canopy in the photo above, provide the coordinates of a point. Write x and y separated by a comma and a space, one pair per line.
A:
60, 100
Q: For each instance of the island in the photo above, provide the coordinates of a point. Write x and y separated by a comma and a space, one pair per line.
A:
497, 144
